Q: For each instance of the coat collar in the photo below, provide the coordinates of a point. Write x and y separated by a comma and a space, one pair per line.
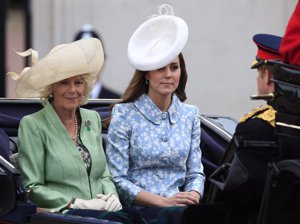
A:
146, 106
53, 118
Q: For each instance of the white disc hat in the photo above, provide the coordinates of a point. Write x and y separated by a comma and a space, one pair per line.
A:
156, 42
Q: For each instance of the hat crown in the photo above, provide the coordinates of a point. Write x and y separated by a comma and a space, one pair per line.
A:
268, 43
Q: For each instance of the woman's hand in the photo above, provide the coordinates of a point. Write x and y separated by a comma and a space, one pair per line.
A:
112, 202
146, 198
183, 199
96, 204
196, 195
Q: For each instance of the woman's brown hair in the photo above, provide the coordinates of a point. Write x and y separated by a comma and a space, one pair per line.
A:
138, 86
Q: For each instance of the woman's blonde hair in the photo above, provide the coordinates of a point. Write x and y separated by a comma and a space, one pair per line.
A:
47, 91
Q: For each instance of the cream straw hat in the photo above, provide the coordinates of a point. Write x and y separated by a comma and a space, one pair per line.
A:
84, 56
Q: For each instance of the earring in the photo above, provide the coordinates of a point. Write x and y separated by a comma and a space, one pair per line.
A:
147, 82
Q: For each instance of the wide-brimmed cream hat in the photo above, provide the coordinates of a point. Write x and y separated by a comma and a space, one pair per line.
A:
158, 41
84, 56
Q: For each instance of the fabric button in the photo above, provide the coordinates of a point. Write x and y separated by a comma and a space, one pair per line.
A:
165, 139
164, 116
165, 160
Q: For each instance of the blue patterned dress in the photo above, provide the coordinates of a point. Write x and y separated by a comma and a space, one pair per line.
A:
153, 150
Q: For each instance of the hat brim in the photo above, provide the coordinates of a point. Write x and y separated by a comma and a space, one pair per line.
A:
255, 64
157, 42
64, 61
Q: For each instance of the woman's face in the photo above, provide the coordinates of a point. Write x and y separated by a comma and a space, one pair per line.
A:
67, 93
164, 81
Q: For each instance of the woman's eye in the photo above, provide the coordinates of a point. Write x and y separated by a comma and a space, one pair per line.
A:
174, 67
79, 82
63, 82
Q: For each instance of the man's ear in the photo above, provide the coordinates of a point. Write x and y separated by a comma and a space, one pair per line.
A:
269, 75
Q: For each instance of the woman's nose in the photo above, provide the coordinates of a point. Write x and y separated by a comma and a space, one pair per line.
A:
168, 72
72, 87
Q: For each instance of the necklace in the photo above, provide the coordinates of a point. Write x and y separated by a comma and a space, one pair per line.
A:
76, 129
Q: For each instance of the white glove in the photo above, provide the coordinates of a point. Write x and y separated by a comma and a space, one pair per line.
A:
112, 202
96, 204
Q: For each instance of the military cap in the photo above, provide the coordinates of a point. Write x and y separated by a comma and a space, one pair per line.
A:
267, 49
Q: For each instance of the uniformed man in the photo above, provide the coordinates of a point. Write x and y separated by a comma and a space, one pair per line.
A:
262, 119
255, 137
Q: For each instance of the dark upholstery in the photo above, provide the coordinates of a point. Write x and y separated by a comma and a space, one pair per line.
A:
58, 218
20, 214
4, 145
213, 148
280, 203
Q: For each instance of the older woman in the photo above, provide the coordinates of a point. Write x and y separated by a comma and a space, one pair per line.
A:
60, 147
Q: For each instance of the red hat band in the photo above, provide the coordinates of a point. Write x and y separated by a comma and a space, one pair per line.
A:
266, 55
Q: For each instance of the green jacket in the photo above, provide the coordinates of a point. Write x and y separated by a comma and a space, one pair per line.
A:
52, 167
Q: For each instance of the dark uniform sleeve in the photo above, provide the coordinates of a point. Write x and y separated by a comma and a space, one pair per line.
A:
255, 158
255, 129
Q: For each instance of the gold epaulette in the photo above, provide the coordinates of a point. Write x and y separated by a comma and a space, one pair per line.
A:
267, 113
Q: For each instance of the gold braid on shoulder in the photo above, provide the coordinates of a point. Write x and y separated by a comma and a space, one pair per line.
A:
266, 113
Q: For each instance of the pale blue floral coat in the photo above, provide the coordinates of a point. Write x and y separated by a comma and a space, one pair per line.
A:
155, 151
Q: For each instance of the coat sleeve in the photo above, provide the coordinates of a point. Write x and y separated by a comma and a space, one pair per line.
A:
118, 155
195, 176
